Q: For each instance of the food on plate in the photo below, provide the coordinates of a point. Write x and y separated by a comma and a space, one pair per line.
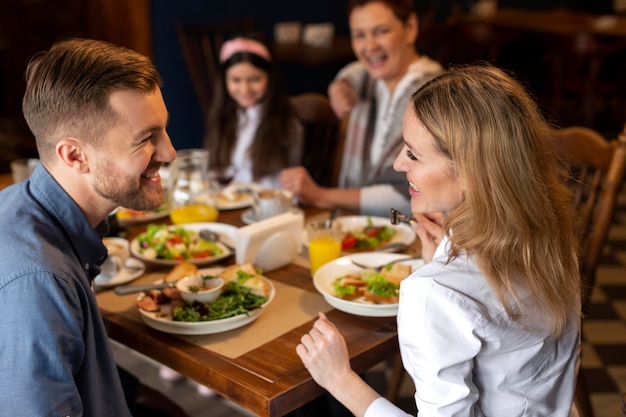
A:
232, 196
371, 286
367, 237
247, 276
175, 243
244, 291
182, 270
124, 213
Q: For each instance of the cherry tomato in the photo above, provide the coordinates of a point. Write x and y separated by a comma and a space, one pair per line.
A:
348, 241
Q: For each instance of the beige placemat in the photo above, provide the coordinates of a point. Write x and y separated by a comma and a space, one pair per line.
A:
291, 307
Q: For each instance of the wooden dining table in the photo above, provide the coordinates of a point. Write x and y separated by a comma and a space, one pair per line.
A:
255, 366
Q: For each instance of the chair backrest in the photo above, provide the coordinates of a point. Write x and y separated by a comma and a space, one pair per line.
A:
597, 169
322, 142
201, 46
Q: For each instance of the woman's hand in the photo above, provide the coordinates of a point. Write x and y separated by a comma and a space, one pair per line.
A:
342, 97
299, 182
430, 231
324, 353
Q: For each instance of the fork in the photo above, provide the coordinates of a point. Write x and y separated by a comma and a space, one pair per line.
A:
395, 217
386, 264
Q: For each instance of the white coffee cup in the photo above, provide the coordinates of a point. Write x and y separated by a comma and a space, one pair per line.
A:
270, 202
119, 250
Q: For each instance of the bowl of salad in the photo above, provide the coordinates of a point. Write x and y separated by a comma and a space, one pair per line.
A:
169, 245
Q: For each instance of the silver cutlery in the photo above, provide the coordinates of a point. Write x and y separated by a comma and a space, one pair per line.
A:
395, 217
386, 264
129, 289
212, 236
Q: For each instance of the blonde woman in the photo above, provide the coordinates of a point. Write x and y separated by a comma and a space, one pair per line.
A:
490, 325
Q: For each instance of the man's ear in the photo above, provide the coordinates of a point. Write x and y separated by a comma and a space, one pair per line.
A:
71, 152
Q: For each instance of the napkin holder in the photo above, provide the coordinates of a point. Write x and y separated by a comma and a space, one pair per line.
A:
270, 244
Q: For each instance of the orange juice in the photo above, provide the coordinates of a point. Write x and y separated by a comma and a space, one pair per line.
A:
193, 213
323, 249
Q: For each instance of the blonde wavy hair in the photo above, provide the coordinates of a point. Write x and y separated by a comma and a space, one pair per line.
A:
517, 215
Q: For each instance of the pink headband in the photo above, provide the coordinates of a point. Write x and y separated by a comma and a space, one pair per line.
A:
233, 46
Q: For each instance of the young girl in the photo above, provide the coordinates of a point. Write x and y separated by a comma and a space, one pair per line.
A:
251, 123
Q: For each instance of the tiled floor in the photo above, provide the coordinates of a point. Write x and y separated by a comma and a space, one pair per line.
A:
604, 330
603, 357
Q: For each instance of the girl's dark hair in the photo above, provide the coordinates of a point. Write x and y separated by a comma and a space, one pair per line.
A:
277, 130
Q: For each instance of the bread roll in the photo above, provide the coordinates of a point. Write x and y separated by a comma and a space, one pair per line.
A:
182, 270
257, 284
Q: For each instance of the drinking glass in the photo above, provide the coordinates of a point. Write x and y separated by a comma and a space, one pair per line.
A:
324, 241
192, 196
223, 175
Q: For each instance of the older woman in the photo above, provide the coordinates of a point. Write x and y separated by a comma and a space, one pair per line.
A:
374, 91
490, 325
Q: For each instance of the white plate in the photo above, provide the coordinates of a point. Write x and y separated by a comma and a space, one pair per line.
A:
132, 270
404, 233
162, 320
327, 273
226, 232
242, 201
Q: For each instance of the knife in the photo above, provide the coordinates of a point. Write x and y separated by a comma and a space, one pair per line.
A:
129, 289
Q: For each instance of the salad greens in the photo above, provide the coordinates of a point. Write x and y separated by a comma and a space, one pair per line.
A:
375, 283
367, 237
378, 284
235, 300
175, 243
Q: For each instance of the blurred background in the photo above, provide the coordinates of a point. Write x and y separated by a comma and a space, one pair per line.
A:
149, 26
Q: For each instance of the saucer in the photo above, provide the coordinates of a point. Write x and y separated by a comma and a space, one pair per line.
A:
132, 270
248, 216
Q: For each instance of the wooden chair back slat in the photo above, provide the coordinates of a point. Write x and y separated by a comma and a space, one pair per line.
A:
323, 143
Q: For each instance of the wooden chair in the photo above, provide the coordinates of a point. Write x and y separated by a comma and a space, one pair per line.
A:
201, 46
323, 143
597, 169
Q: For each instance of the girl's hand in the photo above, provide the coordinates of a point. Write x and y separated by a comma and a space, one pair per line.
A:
342, 97
324, 353
430, 232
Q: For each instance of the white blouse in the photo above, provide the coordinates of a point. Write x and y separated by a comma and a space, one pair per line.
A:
468, 358
248, 123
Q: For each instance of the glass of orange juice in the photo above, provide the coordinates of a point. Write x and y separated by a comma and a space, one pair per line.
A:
192, 197
324, 241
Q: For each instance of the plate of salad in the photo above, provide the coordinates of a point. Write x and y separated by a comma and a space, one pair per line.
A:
237, 306
168, 245
332, 279
368, 233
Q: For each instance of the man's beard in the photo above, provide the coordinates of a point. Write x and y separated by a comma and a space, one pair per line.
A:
126, 191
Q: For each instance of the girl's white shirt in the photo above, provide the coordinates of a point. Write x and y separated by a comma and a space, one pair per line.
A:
247, 125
